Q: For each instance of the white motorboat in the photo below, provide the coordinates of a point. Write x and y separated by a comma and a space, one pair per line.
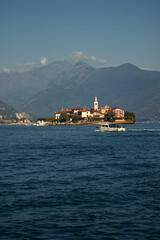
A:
111, 127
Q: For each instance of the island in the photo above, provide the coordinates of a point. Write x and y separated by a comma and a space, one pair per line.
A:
86, 116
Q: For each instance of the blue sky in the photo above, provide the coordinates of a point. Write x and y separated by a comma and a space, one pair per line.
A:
104, 33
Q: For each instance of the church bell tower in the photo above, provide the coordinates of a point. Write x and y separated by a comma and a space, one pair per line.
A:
95, 103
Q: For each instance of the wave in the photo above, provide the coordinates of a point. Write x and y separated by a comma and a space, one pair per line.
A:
144, 130
148, 122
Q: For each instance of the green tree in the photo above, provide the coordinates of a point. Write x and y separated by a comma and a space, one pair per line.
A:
50, 119
76, 118
110, 116
63, 117
129, 116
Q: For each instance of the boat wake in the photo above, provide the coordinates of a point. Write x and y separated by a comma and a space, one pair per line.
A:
144, 130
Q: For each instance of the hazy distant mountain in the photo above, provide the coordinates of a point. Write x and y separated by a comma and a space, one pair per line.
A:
17, 88
43, 91
6, 111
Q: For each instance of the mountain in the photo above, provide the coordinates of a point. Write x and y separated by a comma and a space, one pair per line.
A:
17, 88
61, 84
6, 111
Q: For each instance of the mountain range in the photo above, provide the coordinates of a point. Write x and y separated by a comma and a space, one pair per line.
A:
6, 111
42, 91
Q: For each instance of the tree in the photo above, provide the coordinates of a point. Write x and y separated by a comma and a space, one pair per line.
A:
129, 116
50, 119
76, 118
41, 119
63, 117
110, 116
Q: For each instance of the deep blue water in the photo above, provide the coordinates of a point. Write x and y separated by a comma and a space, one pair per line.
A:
71, 182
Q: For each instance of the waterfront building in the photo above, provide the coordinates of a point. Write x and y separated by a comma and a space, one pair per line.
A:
105, 109
119, 112
84, 113
95, 103
96, 113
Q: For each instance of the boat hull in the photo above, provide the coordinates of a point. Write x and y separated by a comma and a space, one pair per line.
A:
111, 128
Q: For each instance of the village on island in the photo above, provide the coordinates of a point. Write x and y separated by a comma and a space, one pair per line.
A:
77, 116
86, 116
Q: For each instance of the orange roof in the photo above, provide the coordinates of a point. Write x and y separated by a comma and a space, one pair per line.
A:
106, 107
117, 108
71, 114
85, 110
62, 111
93, 110
96, 111
77, 108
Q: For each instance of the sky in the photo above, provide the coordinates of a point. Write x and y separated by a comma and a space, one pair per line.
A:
103, 33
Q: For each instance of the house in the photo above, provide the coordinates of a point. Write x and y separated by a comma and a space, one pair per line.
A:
76, 109
105, 109
58, 114
119, 112
96, 114
84, 113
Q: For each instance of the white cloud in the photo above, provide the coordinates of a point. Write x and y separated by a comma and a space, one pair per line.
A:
6, 70
93, 58
43, 61
147, 69
81, 56
76, 56
22, 67
102, 60
29, 63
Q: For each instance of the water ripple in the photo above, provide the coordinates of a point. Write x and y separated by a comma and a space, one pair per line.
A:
74, 183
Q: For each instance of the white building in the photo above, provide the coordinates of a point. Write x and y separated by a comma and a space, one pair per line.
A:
85, 113
96, 103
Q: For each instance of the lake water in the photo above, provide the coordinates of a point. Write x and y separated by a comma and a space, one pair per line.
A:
71, 182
